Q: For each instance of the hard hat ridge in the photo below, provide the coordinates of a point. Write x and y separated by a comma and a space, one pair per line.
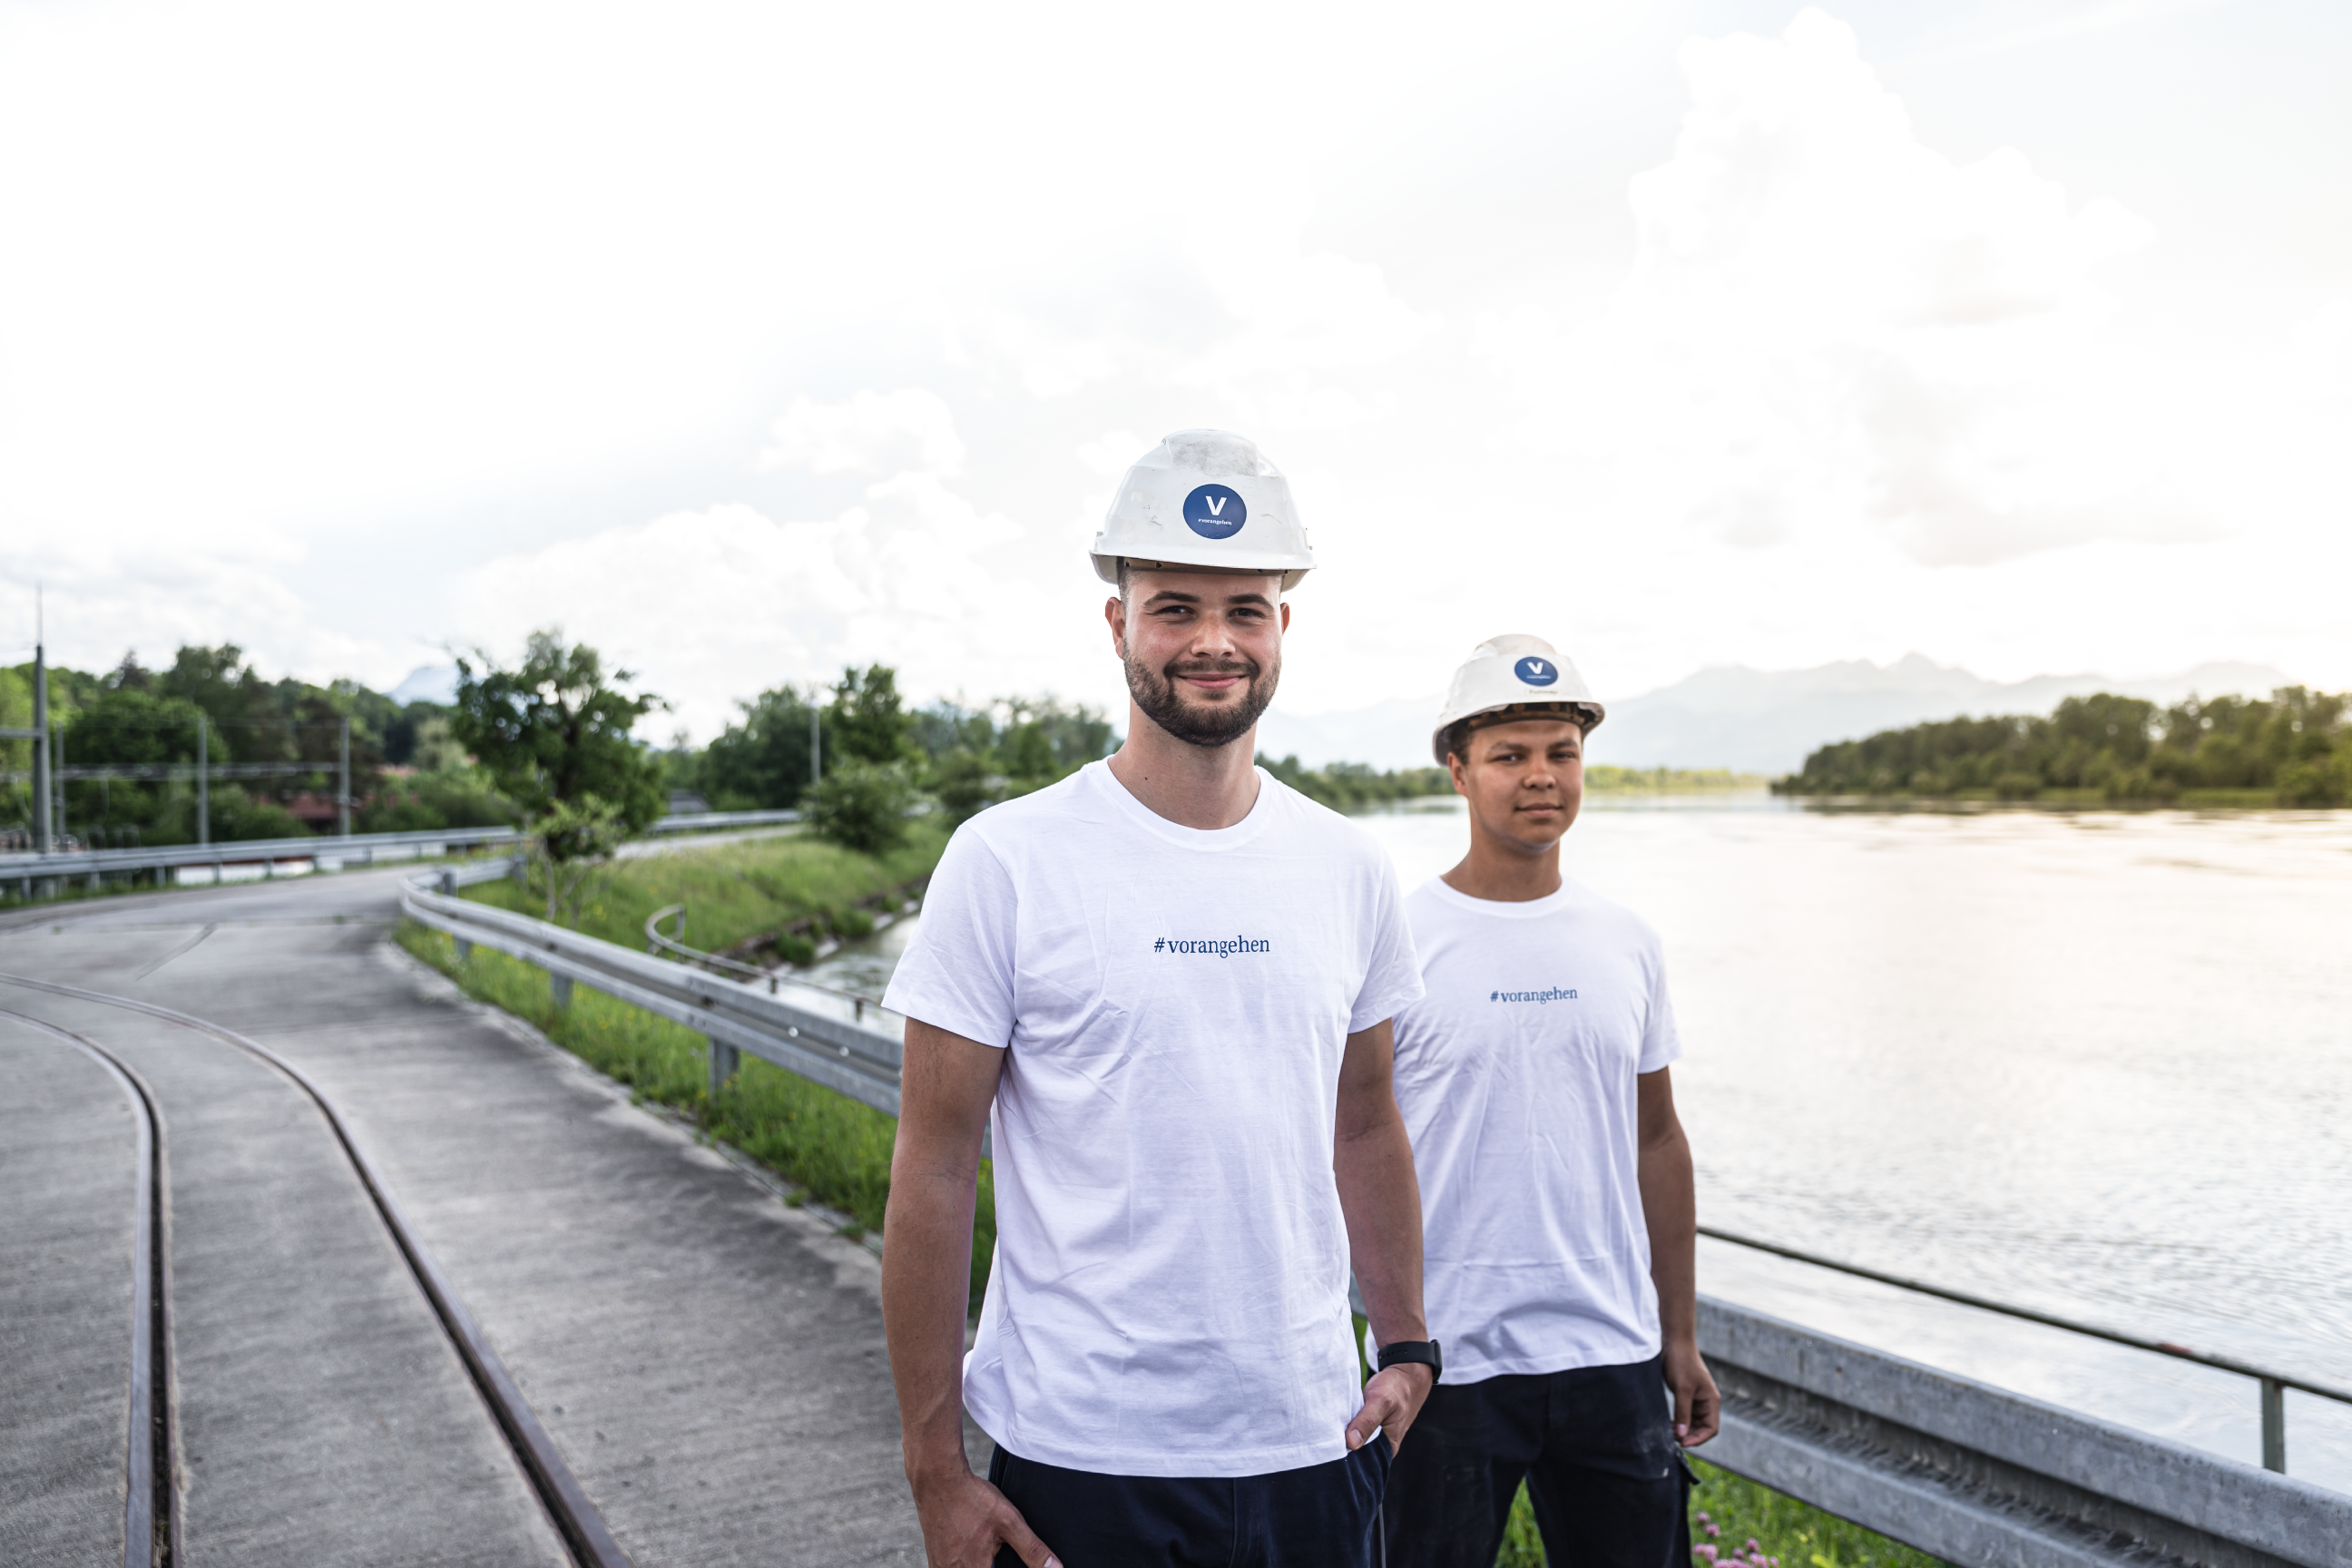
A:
1205, 499
1515, 676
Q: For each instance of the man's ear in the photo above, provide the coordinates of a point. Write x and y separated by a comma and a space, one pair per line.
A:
1459, 771
1285, 616
1115, 612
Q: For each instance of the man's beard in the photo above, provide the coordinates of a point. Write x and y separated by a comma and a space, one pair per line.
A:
1154, 691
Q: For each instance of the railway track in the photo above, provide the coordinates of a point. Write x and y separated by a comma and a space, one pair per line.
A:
153, 1472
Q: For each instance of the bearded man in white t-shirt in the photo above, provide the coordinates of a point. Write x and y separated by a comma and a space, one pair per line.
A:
1164, 987
1555, 1177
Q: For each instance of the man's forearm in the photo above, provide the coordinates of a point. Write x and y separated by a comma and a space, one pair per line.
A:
1381, 1200
926, 1281
1670, 1209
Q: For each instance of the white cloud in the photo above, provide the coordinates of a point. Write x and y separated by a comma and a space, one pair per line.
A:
1113, 453
872, 433
500, 338
710, 607
1831, 329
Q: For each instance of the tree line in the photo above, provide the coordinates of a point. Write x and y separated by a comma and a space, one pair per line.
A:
2292, 748
549, 740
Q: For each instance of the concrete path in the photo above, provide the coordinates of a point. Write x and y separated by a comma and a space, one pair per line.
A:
67, 1198
710, 1362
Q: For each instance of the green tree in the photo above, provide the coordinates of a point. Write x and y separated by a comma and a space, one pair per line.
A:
762, 761
863, 806
869, 723
2293, 745
554, 730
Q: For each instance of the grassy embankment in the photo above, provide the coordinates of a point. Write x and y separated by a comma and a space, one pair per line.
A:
838, 1152
1788, 1533
834, 1149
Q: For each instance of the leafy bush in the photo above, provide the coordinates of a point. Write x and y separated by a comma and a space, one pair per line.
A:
459, 797
863, 806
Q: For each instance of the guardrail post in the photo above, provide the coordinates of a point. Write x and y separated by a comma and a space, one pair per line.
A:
2274, 1425
465, 948
559, 988
724, 1063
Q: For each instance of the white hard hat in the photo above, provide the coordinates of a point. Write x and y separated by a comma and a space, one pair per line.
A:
1516, 677
1205, 497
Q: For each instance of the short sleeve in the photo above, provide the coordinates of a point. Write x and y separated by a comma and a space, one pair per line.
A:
957, 974
1662, 1041
1392, 978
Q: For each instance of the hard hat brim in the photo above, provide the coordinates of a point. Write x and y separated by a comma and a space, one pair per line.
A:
1585, 715
1106, 568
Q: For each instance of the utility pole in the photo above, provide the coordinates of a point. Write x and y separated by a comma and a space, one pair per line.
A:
344, 786
57, 739
40, 733
203, 779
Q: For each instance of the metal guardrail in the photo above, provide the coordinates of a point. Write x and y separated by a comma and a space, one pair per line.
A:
31, 871
1972, 1474
1987, 1478
362, 847
844, 1043
2274, 1382
704, 821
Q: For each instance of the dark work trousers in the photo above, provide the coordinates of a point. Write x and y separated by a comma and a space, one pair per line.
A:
1595, 1445
1323, 1516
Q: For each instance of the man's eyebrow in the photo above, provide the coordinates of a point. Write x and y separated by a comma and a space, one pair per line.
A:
1178, 596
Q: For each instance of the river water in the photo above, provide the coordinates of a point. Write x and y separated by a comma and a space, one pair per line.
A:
2098, 1064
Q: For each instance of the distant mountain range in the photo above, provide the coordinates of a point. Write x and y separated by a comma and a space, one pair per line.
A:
1754, 721
428, 683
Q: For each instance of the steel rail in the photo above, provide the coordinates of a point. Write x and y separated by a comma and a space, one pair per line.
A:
150, 1503
2271, 1379
575, 1515
340, 849
751, 973
846, 1042
1979, 1476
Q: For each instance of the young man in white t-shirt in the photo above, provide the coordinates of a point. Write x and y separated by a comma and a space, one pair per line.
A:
1164, 985
1555, 1178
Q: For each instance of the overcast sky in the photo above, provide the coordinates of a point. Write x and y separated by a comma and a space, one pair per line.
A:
745, 341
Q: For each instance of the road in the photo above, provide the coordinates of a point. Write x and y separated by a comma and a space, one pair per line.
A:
710, 1362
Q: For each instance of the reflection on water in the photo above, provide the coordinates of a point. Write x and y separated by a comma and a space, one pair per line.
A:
2099, 1064
863, 968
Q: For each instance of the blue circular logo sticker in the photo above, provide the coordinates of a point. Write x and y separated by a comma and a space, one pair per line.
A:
1536, 671
1215, 511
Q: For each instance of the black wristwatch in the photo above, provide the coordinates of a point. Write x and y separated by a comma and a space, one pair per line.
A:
1425, 1351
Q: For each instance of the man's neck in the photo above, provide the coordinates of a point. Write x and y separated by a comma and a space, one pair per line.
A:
1503, 874
1207, 788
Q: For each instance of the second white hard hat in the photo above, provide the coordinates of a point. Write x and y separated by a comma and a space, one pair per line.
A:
1516, 677
1205, 497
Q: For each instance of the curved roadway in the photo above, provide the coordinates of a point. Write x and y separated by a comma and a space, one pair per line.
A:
710, 1362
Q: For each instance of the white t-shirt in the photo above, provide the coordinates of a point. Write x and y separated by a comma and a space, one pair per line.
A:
1170, 1291
1515, 1074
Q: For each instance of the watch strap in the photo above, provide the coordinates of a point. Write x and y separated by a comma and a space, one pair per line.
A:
1424, 1352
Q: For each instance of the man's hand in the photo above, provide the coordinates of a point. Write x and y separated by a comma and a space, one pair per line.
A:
965, 1520
1698, 1408
1392, 1401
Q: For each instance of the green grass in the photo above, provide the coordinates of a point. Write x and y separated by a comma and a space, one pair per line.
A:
736, 889
1787, 1533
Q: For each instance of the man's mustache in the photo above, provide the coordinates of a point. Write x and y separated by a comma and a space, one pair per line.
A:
1211, 666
